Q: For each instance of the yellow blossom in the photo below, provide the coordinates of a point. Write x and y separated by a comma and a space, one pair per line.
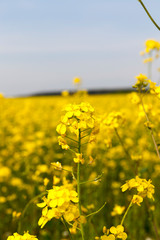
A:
114, 233
148, 124
142, 82
57, 165
119, 232
25, 236
60, 201
137, 199
117, 210
65, 93
148, 60
144, 187
151, 44
62, 142
77, 80
114, 120
61, 129
109, 237
78, 158
56, 180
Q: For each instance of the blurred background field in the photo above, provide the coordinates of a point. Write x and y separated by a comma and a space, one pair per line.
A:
29, 145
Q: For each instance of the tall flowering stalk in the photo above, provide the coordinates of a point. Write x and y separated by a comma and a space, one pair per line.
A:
144, 189
151, 53
77, 123
113, 121
140, 85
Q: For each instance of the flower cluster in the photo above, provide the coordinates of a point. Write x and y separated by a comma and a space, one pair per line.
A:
77, 116
114, 232
77, 80
117, 210
60, 201
155, 90
25, 236
148, 60
114, 120
144, 189
151, 44
150, 47
79, 121
78, 158
57, 165
142, 82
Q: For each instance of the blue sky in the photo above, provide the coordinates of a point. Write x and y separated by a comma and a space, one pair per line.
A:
45, 44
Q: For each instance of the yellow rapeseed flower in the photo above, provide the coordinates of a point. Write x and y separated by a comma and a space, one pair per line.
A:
77, 80
148, 60
144, 187
114, 233
78, 158
118, 232
60, 201
151, 44
117, 210
65, 93
25, 236
114, 120
142, 82
137, 199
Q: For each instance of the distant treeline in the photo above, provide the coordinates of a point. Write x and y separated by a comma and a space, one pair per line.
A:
89, 91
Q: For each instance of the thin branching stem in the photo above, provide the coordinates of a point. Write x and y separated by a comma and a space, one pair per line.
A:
124, 148
93, 180
72, 226
66, 170
91, 214
71, 139
150, 129
149, 15
85, 135
65, 224
72, 173
84, 143
85, 130
73, 146
26, 208
125, 214
78, 183
70, 149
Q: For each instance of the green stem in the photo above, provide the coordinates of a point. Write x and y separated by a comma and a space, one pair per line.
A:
85, 130
96, 211
72, 173
151, 131
70, 149
78, 183
71, 139
25, 209
124, 148
85, 135
150, 67
93, 180
84, 143
124, 216
149, 15
65, 224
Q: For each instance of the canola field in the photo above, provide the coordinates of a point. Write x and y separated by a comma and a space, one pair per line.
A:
81, 167
120, 149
